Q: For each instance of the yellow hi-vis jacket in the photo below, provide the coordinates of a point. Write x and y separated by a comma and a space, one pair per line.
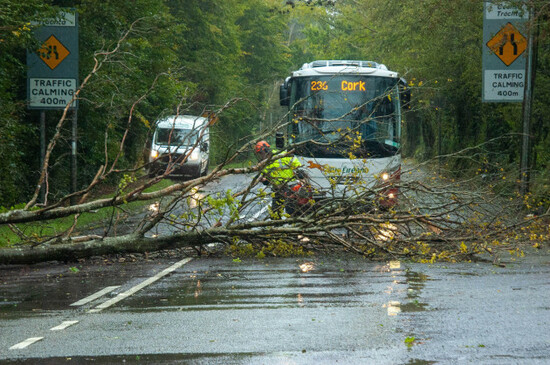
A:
281, 171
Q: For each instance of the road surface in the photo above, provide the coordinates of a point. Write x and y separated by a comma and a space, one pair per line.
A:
311, 310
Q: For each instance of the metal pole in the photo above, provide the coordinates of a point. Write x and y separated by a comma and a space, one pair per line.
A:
42, 153
439, 138
527, 103
73, 157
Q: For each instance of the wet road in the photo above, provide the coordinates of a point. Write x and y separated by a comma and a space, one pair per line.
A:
311, 310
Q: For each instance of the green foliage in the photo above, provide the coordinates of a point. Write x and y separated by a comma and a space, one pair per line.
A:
281, 248
222, 201
239, 249
125, 182
15, 129
194, 55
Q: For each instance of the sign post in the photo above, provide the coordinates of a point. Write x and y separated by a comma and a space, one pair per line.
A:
507, 67
52, 76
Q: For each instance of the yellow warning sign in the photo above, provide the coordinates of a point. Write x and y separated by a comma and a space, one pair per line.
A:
508, 44
53, 52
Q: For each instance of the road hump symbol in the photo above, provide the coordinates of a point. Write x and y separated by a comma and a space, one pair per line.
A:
508, 44
53, 52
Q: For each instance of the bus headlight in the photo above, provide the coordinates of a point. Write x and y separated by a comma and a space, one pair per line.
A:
385, 176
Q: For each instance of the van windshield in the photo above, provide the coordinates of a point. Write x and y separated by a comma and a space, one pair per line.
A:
176, 137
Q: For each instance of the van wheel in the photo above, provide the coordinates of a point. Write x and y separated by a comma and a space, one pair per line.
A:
205, 169
196, 173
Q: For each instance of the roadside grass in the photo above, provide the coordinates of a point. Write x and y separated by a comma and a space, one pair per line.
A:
35, 231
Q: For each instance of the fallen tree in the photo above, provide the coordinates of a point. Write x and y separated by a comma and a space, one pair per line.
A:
438, 219
442, 215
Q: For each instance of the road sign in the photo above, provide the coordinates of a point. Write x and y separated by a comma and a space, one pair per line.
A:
53, 52
504, 46
52, 76
508, 44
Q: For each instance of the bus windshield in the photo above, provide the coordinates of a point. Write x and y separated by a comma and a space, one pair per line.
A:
336, 115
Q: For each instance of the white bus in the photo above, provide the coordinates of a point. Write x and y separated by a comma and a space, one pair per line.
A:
345, 127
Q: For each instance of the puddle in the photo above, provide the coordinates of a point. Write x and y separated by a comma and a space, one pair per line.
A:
33, 290
420, 362
212, 298
414, 306
416, 282
310, 284
462, 273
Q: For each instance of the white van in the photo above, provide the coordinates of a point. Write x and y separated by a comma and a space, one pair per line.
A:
175, 137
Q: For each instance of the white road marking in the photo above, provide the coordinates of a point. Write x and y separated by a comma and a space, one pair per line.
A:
257, 214
27, 342
138, 287
94, 296
63, 325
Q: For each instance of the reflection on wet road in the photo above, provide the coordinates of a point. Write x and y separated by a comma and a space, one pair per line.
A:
273, 284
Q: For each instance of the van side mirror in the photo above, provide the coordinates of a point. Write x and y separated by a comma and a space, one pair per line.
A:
204, 146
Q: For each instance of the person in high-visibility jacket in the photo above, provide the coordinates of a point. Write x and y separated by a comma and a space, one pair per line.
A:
279, 174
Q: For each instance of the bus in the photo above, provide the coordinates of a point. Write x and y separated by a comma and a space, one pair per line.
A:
344, 125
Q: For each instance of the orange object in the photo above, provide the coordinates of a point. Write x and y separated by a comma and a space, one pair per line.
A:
261, 146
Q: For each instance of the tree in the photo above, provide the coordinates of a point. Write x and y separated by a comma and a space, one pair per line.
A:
16, 24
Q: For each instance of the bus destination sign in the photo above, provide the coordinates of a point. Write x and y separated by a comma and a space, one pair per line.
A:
344, 85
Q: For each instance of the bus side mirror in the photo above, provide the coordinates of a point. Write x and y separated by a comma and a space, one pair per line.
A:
283, 95
284, 98
404, 94
280, 140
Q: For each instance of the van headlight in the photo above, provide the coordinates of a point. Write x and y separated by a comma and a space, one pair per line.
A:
385, 176
154, 154
194, 156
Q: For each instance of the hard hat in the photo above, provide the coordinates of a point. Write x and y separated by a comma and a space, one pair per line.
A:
262, 146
